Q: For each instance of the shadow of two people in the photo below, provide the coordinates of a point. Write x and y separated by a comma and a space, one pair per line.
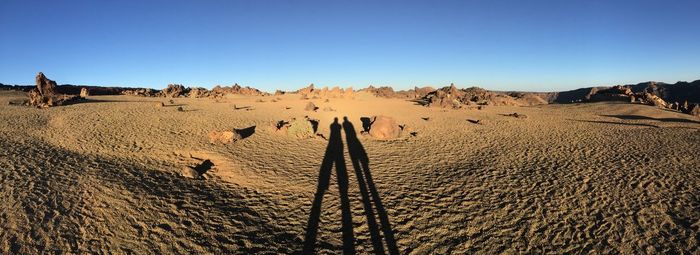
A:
371, 200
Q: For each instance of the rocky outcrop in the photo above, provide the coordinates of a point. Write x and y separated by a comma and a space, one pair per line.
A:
452, 97
325, 92
140, 92
616, 93
173, 90
198, 93
44, 95
220, 92
45, 86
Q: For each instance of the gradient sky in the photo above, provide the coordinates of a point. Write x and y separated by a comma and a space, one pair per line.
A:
500, 45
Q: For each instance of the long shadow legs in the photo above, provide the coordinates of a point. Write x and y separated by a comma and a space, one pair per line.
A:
334, 154
370, 197
369, 193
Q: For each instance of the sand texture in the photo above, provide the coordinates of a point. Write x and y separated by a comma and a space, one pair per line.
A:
105, 176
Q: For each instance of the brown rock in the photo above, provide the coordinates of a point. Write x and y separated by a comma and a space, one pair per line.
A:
160, 104
383, 127
45, 86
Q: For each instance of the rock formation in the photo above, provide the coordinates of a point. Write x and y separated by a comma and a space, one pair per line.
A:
173, 90
44, 95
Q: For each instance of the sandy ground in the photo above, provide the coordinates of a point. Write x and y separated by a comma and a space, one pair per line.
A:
103, 177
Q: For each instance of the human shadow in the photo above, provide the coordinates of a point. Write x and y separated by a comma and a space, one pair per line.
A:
334, 155
370, 196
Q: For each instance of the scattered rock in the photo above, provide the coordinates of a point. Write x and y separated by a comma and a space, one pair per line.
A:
328, 109
383, 127
160, 104
516, 115
479, 122
224, 137
180, 109
310, 107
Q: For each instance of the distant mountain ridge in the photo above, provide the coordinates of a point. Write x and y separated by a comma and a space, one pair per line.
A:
677, 92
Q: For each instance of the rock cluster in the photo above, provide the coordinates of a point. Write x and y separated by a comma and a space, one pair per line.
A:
325, 92
178, 90
140, 92
451, 97
173, 90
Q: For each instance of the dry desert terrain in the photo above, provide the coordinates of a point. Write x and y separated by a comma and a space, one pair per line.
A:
104, 176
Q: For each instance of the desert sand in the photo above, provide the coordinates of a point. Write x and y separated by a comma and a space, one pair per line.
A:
105, 176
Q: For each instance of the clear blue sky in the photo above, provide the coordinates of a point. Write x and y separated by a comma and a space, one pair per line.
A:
501, 45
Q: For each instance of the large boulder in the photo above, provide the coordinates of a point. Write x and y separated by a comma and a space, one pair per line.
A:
383, 127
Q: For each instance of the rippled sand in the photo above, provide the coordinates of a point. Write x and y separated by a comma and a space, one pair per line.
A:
103, 176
